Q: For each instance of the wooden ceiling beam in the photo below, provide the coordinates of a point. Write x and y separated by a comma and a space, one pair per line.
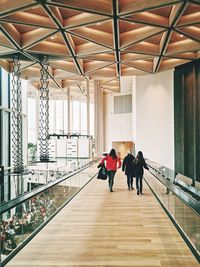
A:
90, 48
189, 19
175, 14
126, 57
134, 36
64, 65
83, 19
49, 48
99, 7
34, 37
56, 12
144, 48
5, 41
5, 64
171, 63
107, 57
141, 65
105, 72
93, 66
9, 7
26, 18
31, 72
63, 74
143, 5
182, 47
67, 42
149, 18
132, 71
100, 37
89, 41
191, 32
187, 56
11, 33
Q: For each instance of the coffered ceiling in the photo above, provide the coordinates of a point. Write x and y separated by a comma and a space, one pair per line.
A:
98, 39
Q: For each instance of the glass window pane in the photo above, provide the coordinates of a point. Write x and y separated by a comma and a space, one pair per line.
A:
5, 88
75, 122
32, 121
5, 138
65, 117
59, 117
128, 103
92, 118
52, 119
83, 118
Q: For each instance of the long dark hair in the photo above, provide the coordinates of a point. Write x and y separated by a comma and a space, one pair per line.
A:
113, 153
139, 157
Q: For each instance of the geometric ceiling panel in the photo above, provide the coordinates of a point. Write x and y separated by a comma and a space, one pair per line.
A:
99, 39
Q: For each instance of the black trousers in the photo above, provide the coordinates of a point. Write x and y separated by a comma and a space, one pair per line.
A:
139, 183
129, 181
111, 175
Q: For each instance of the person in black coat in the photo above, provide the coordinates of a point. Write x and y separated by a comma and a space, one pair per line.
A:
139, 165
128, 167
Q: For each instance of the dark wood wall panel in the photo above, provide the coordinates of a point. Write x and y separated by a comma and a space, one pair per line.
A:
187, 119
179, 121
197, 74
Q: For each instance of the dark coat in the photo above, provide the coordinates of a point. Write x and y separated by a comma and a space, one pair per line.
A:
139, 167
128, 165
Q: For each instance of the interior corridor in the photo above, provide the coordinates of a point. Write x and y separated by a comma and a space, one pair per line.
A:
99, 228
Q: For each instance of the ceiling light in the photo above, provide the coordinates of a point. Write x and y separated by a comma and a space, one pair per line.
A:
132, 22
98, 23
181, 35
52, 37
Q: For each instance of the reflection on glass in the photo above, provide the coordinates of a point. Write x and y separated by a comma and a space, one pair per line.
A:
187, 219
18, 223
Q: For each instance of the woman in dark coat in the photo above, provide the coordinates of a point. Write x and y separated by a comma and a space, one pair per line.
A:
128, 167
139, 165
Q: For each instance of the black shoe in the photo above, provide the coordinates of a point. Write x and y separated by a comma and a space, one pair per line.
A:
138, 192
141, 193
132, 188
111, 190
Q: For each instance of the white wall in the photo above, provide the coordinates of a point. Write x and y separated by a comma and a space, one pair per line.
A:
154, 133
117, 127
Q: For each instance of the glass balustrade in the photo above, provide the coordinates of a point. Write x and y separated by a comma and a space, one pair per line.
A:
181, 202
20, 222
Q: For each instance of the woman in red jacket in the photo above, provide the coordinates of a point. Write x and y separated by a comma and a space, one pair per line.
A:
111, 165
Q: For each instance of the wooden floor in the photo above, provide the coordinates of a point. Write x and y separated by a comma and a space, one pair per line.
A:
99, 228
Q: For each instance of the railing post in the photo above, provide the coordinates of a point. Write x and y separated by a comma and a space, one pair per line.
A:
1, 184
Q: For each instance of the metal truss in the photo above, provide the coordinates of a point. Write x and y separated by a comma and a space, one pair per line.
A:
44, 111
16, 117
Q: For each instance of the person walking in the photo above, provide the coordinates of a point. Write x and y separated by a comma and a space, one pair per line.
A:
112, 164
139, 165
128, 167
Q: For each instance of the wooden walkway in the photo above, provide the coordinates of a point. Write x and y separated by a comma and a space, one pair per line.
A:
98, 228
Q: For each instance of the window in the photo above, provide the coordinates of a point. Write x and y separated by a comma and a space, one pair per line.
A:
4, 118
123, 104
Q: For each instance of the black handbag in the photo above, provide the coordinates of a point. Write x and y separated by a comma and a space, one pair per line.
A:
102, 174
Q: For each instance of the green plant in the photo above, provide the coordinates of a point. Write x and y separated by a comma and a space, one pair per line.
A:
32, 148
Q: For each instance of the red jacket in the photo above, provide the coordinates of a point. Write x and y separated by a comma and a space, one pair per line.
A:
111, 164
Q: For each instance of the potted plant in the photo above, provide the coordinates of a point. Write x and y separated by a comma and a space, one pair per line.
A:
32, 148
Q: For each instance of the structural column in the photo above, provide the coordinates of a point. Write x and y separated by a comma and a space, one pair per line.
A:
17, 148
99, 121
68, 111
44, 111
88, 107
